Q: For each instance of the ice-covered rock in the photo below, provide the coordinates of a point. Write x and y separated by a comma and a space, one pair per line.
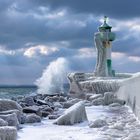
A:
9, 105
75, 114
3, 123
11, 119
114, 105
98, 123
57, 104
62, 99
98, 101
17, 112
53, 117
108, 98
32, 109
8, 133
33, 118
29, 101
95, 96
71, 102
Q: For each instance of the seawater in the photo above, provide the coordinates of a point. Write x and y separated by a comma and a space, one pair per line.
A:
15, 91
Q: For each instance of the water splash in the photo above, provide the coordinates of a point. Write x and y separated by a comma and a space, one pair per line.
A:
53, 77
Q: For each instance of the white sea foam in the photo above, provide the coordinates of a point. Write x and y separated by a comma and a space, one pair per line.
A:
53, 77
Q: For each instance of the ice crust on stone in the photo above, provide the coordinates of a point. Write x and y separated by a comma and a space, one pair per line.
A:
8, 133
75, 114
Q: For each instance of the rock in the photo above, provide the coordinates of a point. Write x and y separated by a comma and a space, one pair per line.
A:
22, 104
9, 105
88, 95
54, 99
114, 105
33, 118
70, 103
17, 112
57, 104
3, 123
108, 98
98, 101
31, 109
52, 117
62, 99
74, 101
45, 114
67, 105
75, 114
98, 123
48, 109
11, 119
41, 102
29, 101
95, 96
8, 133
23, 118
119, 101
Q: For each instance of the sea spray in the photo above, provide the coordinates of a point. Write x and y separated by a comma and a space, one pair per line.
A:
53, 77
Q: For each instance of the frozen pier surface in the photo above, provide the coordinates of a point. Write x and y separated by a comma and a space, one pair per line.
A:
87, 83
125, 86
121, 124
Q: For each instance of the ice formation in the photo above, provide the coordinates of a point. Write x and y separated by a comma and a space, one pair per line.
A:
53, 77
75, 114
8, 133
130, 92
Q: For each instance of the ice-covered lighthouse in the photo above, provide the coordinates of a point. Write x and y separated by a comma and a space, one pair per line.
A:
103, 40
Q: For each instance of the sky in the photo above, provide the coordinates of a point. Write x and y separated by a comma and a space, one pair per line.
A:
34, 33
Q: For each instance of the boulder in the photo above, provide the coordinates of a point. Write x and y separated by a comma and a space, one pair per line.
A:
119, 101
58, 105
70, 103
29, 101
33, 118
45, 114
95, 96
17, 112
8, 133
31, 109
62, 99
41, 102
52, 117
48, 109
54, 99
97, 123
115, 105
3, 123
88, 95
67, 105
6, 104
108, 98
11, 119
75, 114
98, 101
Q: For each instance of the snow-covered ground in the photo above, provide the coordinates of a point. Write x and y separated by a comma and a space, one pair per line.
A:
122, 125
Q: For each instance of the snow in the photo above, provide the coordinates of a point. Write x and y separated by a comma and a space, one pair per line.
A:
72, 115
130, 92
116, 119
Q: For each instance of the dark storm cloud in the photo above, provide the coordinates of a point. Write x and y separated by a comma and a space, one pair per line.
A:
118, 8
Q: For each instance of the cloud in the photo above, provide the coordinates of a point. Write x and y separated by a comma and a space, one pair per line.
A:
39, 50
36, 32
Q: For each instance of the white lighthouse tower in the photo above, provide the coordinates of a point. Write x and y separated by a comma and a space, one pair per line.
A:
103, 40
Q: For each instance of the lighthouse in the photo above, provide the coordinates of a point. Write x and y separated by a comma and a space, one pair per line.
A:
103, 43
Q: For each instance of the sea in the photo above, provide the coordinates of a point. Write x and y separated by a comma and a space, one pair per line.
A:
10, 91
